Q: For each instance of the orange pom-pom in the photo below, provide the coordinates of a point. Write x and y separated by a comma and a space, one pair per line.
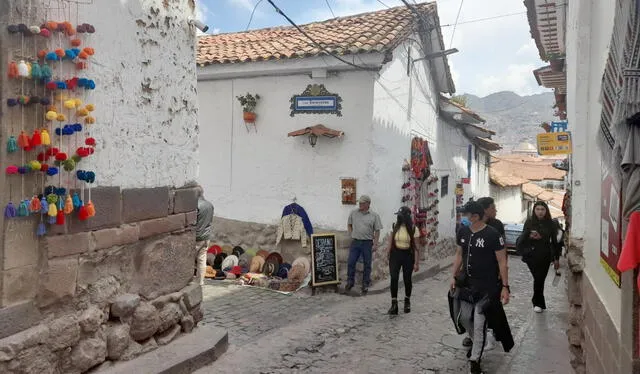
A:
81, 65
76, 42
61, 117
60, 53
82, 112
13, 70
52, 26
89, 51
83, 55
42, 53
89, 120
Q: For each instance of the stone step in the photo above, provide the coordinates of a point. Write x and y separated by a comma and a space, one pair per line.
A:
183, 356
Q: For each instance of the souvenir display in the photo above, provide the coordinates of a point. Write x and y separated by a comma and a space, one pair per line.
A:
49, 122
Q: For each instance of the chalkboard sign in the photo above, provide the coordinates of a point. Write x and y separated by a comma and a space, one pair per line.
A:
324, 260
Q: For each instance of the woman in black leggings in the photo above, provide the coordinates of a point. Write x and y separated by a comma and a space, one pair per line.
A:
403, 254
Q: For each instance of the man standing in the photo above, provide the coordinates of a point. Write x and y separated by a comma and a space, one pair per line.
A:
203, 233
480, 257
364, 229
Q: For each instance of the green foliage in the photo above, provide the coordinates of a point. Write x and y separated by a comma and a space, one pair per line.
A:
460, 100
248, 102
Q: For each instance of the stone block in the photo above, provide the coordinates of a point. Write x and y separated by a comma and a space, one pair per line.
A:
115, 261
161, 301
187, 323
89, 353
91, 319
18, 317
21, 247
192, 295
163, 225
67, 245
103, 291
191, 218
185, 200
19, 284
164, 265
141, 204
107, 201
137, 349
108, 238
168, 336
575, 289
575, 335
12, 345
145, 322
38, 359
58, 281
197, 314
124, 305
117, 340
169, 315
64, 332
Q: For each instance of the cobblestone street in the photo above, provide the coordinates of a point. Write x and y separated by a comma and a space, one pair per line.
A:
275, 333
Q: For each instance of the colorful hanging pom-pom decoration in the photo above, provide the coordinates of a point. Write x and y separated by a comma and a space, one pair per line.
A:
45, 138
42, 229
77, 203
23, 208
12, 144
91, 210
44, 206
60, 218
83, 215
35, 206
68, 205
10, 210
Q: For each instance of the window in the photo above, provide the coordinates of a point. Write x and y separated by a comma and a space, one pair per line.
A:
444, 186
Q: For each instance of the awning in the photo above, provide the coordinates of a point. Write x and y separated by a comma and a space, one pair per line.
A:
318, 130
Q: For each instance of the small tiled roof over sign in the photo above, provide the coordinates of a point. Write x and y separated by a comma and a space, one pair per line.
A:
379, 31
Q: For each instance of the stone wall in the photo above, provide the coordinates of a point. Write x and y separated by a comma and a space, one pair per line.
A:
108, 289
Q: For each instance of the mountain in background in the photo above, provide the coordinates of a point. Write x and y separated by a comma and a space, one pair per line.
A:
514, 118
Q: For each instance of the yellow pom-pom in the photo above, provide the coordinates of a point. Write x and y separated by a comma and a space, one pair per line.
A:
70, 104
82, 112
78, 103
60, 97
52, 108
51, 115
89, 120
90, 107
53, 211
61, 117
34, 165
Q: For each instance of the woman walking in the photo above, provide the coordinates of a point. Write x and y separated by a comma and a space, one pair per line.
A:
539, 248
403, 254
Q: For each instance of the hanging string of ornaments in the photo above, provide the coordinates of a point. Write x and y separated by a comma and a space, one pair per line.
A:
54, 132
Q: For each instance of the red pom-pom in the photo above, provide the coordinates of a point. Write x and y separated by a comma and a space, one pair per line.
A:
51, 85
83, 214
82, 152
28, 148
91, 150
41, 157
61, 156
60, 218
44, 168
36, 139
90, 142
72, 83
81, 65
52, 151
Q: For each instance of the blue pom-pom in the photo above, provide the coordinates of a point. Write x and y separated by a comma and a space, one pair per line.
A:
67, 130
23, 170
12, 102
82, 82
70, 54
52, 171
61, 191
62, 85
45, 101
76, 51
82, 175
91, 85
10, 210
46, 72
49, 190
77, 127
23, 208
44, 206
77, 203
58, 131
51, 56
52, 220
42, 229
90, 177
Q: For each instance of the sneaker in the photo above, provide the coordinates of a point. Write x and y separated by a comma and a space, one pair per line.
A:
467, 342
490, 342
475, 368
365, 290
537, 309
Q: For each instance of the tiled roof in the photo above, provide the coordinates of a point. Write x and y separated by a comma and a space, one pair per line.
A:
363, 33
515, 170
486, 144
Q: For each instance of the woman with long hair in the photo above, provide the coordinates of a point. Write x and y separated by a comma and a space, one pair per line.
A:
539, 248
403, 254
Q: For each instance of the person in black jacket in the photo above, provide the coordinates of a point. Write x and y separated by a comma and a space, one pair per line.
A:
480, 283
539, 247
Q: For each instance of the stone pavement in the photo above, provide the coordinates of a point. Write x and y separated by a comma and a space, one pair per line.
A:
275, 333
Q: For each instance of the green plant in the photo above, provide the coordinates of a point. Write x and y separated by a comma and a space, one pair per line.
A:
460, 100
248, 102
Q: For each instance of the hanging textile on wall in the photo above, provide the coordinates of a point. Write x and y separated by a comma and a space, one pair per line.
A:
420, 158
294, 225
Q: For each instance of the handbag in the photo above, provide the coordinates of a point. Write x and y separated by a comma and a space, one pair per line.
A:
524, 248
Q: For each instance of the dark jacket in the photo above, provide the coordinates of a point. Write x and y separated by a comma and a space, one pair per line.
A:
545, 249
496, 319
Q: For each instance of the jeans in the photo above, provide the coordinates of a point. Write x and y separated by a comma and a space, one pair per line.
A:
201, 260
401, 259
539, 270
359, 248
476, 326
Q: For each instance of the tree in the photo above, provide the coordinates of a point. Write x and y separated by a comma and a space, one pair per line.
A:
460, 100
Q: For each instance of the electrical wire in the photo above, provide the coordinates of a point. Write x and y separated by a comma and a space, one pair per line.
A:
252, 13
331, 10
456, 23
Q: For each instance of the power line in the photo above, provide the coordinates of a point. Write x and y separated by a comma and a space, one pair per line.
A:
384, 4
456, 23
485, 19
252, 13
315, 42
331, 10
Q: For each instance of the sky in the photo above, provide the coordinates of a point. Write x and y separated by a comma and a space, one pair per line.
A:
495, 55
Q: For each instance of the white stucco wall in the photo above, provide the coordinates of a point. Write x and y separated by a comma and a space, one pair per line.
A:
250, 176
146, 108
509, 204
589, 29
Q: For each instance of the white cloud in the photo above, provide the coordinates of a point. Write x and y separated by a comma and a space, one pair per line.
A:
528, 50
246, 4
517, 78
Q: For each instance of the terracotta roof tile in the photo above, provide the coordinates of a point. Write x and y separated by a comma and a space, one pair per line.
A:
526, 167
362, 33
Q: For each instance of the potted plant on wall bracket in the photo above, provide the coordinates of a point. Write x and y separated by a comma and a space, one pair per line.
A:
249, 103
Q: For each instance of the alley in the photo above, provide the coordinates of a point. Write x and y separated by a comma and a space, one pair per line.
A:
275, 333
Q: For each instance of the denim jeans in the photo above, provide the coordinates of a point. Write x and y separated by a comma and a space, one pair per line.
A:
359, 248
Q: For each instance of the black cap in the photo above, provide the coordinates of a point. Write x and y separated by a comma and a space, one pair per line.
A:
473, 207
403, 211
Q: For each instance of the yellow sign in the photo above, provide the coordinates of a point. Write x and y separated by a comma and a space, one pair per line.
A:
614, 276
554, 143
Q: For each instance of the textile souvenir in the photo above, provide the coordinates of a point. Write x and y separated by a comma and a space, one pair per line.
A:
630, 255
217, 263
271, 267
215, 249
304, 262
299, 211
257, 262
237, 270
211, 259
237, 251
262, 253
227, 249
283, 271
275, 255
244, 260
230, 275
229, 262
251, 251
291, 228
297, 273
275, 285
210, 273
